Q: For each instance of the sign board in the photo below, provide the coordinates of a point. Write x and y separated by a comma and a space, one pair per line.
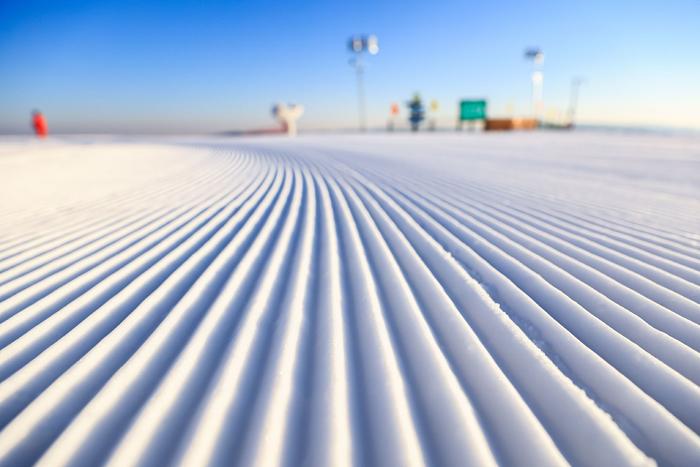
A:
470, 110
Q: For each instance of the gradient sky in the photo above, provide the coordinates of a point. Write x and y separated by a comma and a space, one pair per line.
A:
200, 66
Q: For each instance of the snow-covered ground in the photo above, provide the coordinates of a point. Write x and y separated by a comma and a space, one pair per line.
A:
390, 300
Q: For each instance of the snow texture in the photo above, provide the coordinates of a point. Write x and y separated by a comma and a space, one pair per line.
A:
390, 300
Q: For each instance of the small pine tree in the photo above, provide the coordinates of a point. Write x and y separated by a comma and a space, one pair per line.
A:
417, 111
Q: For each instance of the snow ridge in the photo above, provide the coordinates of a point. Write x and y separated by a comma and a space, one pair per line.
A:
351, 300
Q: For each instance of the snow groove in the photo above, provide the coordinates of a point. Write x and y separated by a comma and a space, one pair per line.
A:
347, 300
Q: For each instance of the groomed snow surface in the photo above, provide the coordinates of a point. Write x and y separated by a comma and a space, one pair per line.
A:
389, 300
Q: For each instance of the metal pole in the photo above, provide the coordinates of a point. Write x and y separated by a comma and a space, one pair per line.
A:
537, 58
536, 92
533, 79
573, 98
361, 106
358, 45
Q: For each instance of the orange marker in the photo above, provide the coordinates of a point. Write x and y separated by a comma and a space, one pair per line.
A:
39, 123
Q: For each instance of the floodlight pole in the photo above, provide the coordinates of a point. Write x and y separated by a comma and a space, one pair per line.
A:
536, 56
361, 103
536, 90
358, 46
573, 98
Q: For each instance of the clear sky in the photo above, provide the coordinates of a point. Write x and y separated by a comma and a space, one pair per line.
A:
199, 66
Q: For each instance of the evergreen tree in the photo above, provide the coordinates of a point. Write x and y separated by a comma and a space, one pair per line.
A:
417, 111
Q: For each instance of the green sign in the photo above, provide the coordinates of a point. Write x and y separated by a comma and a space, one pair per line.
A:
472, 110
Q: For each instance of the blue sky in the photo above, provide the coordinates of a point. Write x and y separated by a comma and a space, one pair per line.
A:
193, 66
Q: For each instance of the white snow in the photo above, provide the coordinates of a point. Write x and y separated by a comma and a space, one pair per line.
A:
394, 299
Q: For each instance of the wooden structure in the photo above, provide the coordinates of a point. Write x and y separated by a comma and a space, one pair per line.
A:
503, 124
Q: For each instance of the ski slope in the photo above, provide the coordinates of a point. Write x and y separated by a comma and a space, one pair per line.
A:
390, 300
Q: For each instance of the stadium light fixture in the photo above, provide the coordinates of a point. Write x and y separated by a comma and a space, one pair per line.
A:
536, 56
358, 45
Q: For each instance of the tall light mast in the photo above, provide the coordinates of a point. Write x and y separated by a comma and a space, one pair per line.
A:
359, 45
536, 56
573, 98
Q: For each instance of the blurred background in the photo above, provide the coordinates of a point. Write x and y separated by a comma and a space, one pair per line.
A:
213, 66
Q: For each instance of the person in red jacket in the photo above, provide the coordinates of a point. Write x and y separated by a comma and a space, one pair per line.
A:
39, 123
